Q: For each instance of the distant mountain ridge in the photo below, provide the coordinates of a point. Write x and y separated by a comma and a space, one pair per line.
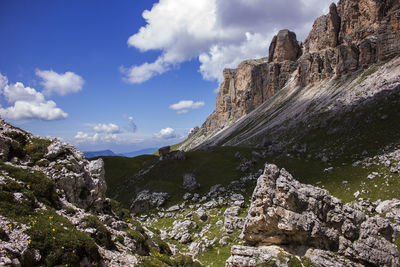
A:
108, 152
92, 154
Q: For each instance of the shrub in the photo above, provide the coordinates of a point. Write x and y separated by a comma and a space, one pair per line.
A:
42, 187
59, 242
69, 210
121, 213
37, 148
102, 235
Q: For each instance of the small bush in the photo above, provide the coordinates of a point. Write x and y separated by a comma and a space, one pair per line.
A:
17, 136
162, 245
135, 235
294, 262
186, 261
59, 242
16, 150
121, 213
102, 235
69, 210
42, 187
37, 148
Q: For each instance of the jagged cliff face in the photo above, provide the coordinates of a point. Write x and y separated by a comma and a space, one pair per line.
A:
354, 35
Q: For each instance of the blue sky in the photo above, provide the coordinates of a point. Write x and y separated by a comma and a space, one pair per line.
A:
86, 71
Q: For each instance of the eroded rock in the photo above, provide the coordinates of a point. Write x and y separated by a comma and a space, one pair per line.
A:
284, 211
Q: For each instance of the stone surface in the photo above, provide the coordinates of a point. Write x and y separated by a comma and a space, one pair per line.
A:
82, 181
284, 211
284, 46
181, 231
189, 182
164, 151
146, 200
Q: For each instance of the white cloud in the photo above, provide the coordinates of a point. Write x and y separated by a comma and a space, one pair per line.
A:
166, 133
23, 110
183, 106
27, 103
219, 33
82, 137
144, 72
229, 56
3, 82
18, 92
61, 84
105, 138
110, 128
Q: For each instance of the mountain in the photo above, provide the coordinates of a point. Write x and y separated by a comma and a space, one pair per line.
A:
325, 111
349, 57
146, 151
93, 154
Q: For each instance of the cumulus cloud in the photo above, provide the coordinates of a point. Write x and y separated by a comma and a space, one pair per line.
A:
82, 137
110, 128
61, 84
166, 133
183, 106
219, 33
18, 92
105, 138
23, 110
27, 103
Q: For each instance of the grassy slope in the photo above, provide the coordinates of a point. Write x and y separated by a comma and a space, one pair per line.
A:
210, 168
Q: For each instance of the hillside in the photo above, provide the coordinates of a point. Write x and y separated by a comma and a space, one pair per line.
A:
54, 212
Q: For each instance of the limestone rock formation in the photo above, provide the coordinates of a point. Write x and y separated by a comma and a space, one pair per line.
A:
292, 215
354, 34
82, 181
146, 200
284, 46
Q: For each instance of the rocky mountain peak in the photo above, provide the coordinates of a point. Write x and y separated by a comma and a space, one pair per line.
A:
354, 35
284, 46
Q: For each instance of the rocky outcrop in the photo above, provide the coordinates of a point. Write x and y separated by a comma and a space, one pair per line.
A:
353, 35
146, 200
292, 215
284, 46
167, 154
82, 181
39, 226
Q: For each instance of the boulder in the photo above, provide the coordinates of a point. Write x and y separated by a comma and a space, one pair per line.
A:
189, 182
231, 219
284, 211
147, 200
164, 151
181, 231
